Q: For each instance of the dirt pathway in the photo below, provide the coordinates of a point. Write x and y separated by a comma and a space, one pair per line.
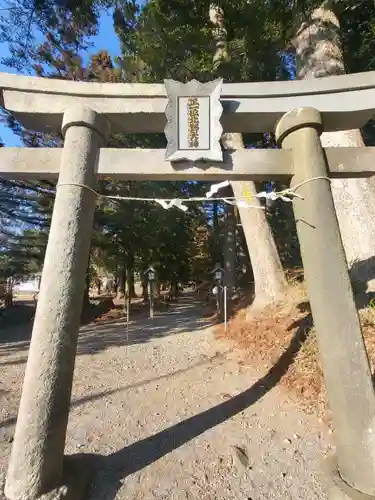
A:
172, 415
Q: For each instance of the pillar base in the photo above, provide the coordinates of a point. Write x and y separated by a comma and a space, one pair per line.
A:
77, 475
338, 489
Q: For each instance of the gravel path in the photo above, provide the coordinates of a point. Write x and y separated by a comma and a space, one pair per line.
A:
173, 414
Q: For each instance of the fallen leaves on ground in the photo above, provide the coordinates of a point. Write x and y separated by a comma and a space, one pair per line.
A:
283, 338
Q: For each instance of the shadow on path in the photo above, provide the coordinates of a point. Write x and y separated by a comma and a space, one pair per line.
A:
93, 397
183, 317
143, 453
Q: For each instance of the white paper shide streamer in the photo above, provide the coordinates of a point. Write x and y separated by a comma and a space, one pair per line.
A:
172, 203
180, 203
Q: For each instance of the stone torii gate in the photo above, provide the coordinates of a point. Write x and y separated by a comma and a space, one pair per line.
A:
86, 114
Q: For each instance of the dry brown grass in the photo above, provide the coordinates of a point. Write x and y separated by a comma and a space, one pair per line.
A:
268, 335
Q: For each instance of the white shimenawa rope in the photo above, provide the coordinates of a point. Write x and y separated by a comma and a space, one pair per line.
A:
309, 180
286, 194
167, 203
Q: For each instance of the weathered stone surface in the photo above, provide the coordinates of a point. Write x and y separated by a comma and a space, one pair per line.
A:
36, 463
338, 489
245, 164
77, 473
345, 363
345, 102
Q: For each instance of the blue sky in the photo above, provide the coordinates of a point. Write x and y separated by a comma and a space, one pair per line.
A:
106, 39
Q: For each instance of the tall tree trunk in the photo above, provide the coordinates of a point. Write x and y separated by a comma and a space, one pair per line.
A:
128, 291
270, 281
130, 275
132, 285
121, 289
86, 293
319, 54
116, 280
173, 290
216, 247
98, 284
269, 277
246, 274
144, 281
144, 289
229, 250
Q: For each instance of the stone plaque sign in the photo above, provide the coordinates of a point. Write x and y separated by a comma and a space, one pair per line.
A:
193, 113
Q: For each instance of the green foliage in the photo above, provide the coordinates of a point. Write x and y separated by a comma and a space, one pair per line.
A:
358, 36
25, 213
25, 254
174, 40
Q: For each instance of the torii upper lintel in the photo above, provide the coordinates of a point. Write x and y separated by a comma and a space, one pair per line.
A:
345, 102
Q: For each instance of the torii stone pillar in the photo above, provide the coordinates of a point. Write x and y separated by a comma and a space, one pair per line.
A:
36, 463
345, 363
